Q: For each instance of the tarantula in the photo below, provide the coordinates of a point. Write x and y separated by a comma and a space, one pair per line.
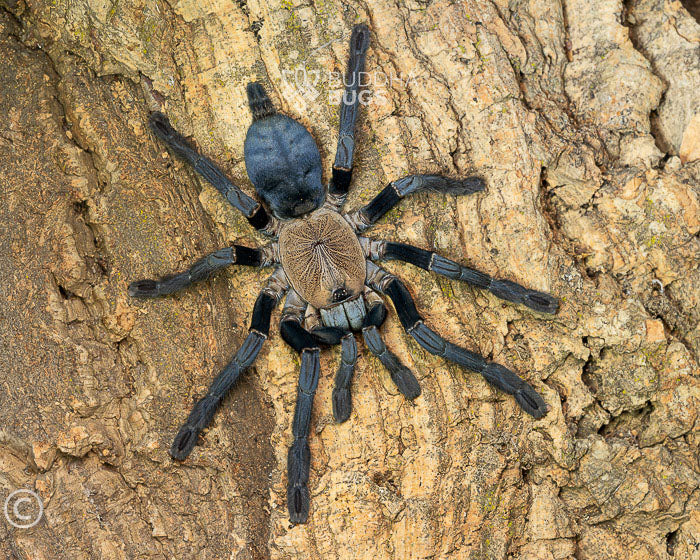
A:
325, 268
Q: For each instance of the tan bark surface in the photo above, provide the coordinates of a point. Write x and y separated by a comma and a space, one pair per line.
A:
584, 118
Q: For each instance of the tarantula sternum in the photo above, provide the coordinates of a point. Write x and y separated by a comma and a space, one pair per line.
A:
326, 269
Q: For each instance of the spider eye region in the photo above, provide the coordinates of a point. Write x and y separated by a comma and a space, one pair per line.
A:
284, 165
340, 294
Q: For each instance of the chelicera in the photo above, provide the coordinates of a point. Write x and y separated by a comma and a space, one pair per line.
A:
325, 269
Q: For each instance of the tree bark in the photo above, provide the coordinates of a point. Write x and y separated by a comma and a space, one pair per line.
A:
584, 119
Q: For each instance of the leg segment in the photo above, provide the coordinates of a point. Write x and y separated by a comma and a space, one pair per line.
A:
349, 107
294, 334
252, 210
402, 377
299, 457
427, 260
395, 191
203, 411
497, 375
342, 401
313, 335
200, 270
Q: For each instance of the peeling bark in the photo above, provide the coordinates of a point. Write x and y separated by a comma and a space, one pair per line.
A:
583, 119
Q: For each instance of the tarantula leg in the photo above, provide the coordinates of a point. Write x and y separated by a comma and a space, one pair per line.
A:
314, 335
203, 411
349, 108
427, 260
200, 270
497, 375
252, 210
294, 334
342, 400
396, 190
402, 377
299, 457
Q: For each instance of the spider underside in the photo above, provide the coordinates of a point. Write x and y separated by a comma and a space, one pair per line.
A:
326, 269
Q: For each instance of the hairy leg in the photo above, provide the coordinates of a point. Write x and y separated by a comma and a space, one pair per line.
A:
205, 408
349, 108
402, 377
396, 190
427, 260
342, 399
497, 375
200, 270
307, 343
256, 215
299, 457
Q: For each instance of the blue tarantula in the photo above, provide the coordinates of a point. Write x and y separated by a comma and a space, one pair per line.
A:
326, 269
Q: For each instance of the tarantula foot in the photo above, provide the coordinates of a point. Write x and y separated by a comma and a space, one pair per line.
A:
457, 187
510, 382
460, 187
541, 302
406, 382
359, 42
510, 291
298, 461
342, 404
184, 442
298, 502
161, 127
531, 402
143, 288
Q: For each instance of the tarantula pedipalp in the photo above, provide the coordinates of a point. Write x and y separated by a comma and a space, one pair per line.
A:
326, 269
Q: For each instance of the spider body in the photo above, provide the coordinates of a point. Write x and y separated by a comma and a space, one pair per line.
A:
325, 270
322, 258
283, 163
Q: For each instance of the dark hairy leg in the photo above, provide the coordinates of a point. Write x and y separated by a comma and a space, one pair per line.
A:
256, 215
342, 399
349, 108
402, 377
497, 375
205, 408
299, 457
312, 335
307, 343
427, 260
200, 270
396, 190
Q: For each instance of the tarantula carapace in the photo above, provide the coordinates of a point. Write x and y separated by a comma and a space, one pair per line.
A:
325, 268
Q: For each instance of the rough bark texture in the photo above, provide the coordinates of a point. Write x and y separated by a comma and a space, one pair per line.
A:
584, 118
